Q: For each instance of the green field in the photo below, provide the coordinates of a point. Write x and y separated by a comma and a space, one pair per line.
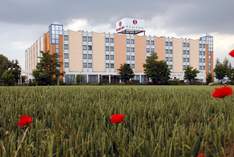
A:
161, 121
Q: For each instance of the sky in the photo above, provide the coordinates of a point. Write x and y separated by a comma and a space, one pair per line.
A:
24, 21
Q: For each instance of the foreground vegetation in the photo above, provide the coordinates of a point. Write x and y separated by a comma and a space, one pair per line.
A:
161, 121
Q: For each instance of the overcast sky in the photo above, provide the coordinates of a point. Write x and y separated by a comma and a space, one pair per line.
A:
24, 21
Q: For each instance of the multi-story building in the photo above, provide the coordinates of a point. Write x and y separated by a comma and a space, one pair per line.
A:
97, 56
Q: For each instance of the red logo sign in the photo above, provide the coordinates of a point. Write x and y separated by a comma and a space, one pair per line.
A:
134, 22
120, 24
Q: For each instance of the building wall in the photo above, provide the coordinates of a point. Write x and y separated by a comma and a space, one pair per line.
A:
160, 47
140, 53
120, 50
98, 52
177, 55
194, 53
75, 51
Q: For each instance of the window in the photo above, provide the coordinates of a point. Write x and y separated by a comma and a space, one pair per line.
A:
132, 41
107, 40
89, 65
112, 65
84, 47
84, 38
107, 57
152, 42
57, 50
107, 48
66, 64
111, 48
89, 39
89, 56
128, 41
128, 58
132, 49
111, 40
107, 65
147, 42
66, 56
89, 47
84, 65
128, 49
84, 56
152, 50
66, 38
111, 57
66, 46
132, 58
132, 66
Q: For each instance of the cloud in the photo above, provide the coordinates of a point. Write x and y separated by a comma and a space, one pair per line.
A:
24, 21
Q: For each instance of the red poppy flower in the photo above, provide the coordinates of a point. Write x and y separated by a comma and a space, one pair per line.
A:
116, 118
222, 92
201, 155
24, 120
231, 53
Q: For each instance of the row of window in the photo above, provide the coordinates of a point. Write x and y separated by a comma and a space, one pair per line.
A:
66, 64
202, 53
87, 56
130, 58
87, 47
185, 52
87, 39
169, 43
110, 65
202, 45
169, 51
109, 57
66, 47
130, 41
109, 40
148, 50
87, 65
66, 37
185, 66
149, 42
169, 59
202, 60
110, 48
186, 44
201, 67
130, 49
185, 59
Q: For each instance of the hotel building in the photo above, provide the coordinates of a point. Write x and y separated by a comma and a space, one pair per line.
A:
97, 56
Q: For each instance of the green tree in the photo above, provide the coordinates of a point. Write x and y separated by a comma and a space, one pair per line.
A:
190, 73
8, 77
209, 78
46, 72
222, 69
4, 64
125, 72
157, 71
11, 76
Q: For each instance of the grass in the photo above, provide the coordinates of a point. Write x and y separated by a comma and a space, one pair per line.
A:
161, 121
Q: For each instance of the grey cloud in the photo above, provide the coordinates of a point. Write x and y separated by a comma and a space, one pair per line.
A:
181, 15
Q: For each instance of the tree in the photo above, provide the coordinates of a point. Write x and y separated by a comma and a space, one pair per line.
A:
209, 78
222, 69
190, 73
4, 64
126, 72
157, 71
11, 75
8, 77
46, 72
